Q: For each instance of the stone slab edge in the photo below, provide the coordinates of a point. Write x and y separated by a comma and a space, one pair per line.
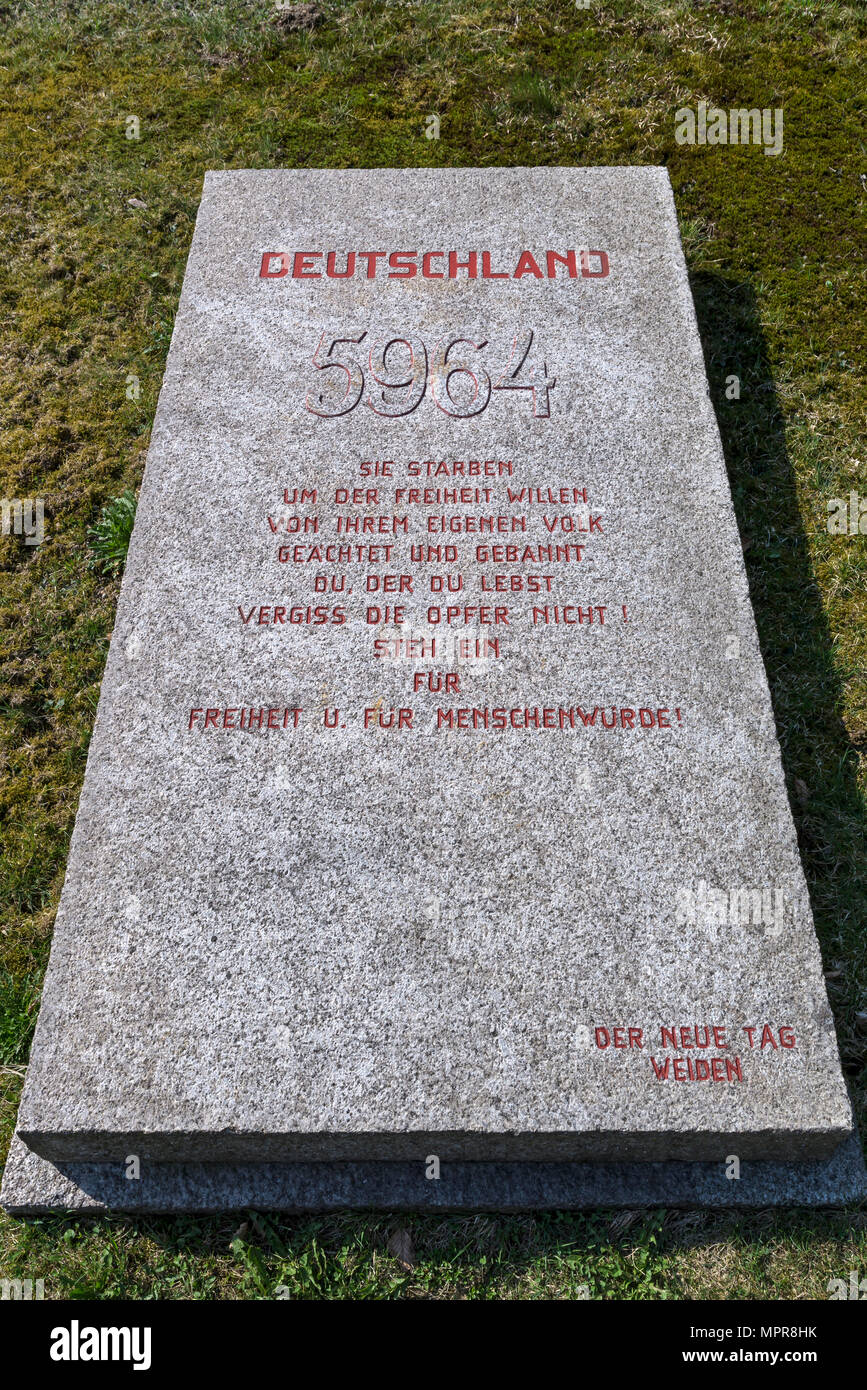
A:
33, 1186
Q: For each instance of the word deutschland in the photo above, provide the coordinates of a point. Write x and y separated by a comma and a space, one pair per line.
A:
433, 265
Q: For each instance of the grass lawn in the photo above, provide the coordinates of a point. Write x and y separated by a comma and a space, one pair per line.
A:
96, 228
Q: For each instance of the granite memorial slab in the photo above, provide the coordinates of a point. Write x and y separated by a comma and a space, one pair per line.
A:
434, 819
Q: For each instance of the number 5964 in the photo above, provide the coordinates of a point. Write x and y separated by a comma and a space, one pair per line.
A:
391, 374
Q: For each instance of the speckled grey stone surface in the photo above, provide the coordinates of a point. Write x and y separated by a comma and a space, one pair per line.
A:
361, 943
33, 1185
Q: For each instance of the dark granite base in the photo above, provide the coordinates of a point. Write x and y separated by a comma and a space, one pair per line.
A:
32, 1185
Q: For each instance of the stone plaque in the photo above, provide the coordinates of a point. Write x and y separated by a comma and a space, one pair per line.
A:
435, 804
